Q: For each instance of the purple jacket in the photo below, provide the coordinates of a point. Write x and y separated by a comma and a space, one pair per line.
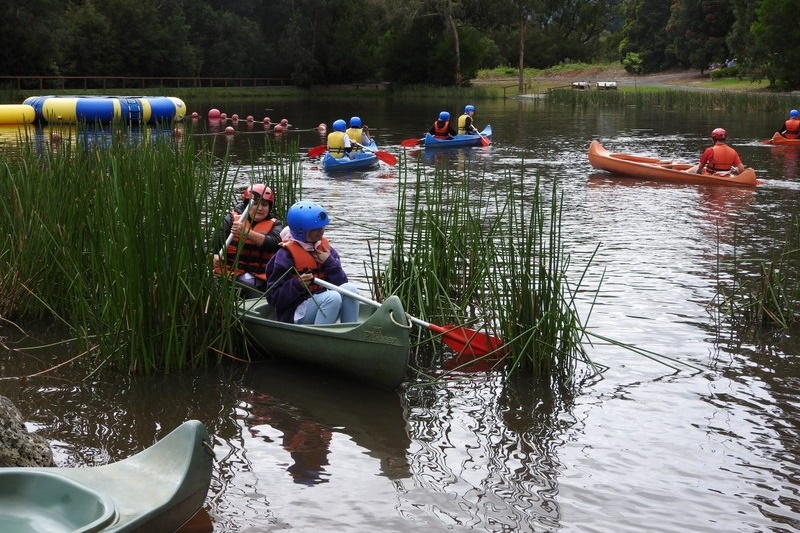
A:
285, 292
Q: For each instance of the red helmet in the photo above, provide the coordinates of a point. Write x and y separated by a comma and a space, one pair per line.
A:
259, 190
719, 134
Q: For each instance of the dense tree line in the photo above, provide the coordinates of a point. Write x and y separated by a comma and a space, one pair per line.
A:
409, 41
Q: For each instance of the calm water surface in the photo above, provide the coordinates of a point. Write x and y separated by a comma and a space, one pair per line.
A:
646, 448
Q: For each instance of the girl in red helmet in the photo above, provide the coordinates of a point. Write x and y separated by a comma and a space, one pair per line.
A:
261, 236
720, 157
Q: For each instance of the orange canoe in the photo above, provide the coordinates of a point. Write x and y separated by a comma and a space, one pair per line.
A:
780, 139
652, 168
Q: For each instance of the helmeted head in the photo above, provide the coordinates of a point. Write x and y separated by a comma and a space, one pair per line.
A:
305, 216
259, 191
444, 116
719, 134
469, 109
355, 122
339, 125
794, 113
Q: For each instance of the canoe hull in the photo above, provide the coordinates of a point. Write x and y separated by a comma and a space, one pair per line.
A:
651, 168
457, 141
361, 161
779, 139
158, 489
374, 350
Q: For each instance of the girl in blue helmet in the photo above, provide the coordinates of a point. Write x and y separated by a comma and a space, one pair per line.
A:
465, 122
791, 127
339, 144
441, 128
306, 254
358, 133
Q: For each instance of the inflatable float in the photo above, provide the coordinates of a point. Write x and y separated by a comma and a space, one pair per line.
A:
94, 109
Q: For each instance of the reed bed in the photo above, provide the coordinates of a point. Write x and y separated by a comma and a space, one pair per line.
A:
674, 99
488, 255
764, 294
111, 232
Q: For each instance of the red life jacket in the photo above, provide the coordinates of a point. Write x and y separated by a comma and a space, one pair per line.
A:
252, 258
722, 160
792, 128
305, 262
441, 130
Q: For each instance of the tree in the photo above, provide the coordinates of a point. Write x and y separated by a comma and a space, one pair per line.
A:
698, 29
774, 28
28, 44
643, 34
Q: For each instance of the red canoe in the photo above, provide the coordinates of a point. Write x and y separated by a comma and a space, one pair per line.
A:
780, 139
652, 168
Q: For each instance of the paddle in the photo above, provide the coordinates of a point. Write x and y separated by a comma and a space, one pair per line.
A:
461, 339
485, 141
410, 143
386, 157
317, 150
229, 239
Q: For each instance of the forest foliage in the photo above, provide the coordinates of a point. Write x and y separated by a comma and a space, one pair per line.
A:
440, 42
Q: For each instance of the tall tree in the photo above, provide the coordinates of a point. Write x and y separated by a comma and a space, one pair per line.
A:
774, 28
643, 34
28, 44
698, 30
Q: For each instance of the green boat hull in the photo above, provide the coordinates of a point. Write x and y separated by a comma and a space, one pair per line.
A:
373, 350
158, 489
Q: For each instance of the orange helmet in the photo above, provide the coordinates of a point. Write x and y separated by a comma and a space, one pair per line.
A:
259, 190
719, 134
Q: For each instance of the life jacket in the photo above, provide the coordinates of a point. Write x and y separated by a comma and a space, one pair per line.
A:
336, 144
355, 135
441, 130
462, 124
305, 262
792, 128
722, 160
252, 258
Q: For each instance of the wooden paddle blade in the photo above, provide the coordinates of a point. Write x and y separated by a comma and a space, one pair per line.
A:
317, 150
410, 143
386, 157
468, 342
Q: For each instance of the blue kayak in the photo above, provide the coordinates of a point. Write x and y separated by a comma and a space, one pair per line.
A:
361, 160
457, 141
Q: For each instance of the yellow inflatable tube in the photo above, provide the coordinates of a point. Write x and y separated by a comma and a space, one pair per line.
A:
17, 114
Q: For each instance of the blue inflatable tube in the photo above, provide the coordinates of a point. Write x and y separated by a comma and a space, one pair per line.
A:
104, 109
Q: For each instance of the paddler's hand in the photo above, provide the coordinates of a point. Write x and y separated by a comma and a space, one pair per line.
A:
306, 278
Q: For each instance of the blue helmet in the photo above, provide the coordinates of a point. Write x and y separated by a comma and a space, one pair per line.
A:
355, 122
339, 125
470, 108
794, 113
444, 116
305, 216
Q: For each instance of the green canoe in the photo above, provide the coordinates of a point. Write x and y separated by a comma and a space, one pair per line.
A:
373, 350
156, 490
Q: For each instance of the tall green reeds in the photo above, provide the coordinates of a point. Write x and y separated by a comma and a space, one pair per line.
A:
673, 99
488, 255
111, 232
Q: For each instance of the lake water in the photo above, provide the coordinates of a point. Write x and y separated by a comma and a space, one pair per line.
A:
708, 447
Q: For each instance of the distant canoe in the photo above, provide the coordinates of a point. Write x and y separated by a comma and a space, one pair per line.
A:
780, 139
363, 160
463, 139
158, 489
652, 168
105, 109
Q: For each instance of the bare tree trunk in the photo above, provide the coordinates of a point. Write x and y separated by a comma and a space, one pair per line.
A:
523, 24
453, 28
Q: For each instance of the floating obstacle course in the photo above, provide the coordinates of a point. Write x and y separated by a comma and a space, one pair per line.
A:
94, 109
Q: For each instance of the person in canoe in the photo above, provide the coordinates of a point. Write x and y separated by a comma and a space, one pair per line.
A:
441, 128
262, 234
791, 127
720, 157
339, 144
358, 133
306, 254
466, 124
